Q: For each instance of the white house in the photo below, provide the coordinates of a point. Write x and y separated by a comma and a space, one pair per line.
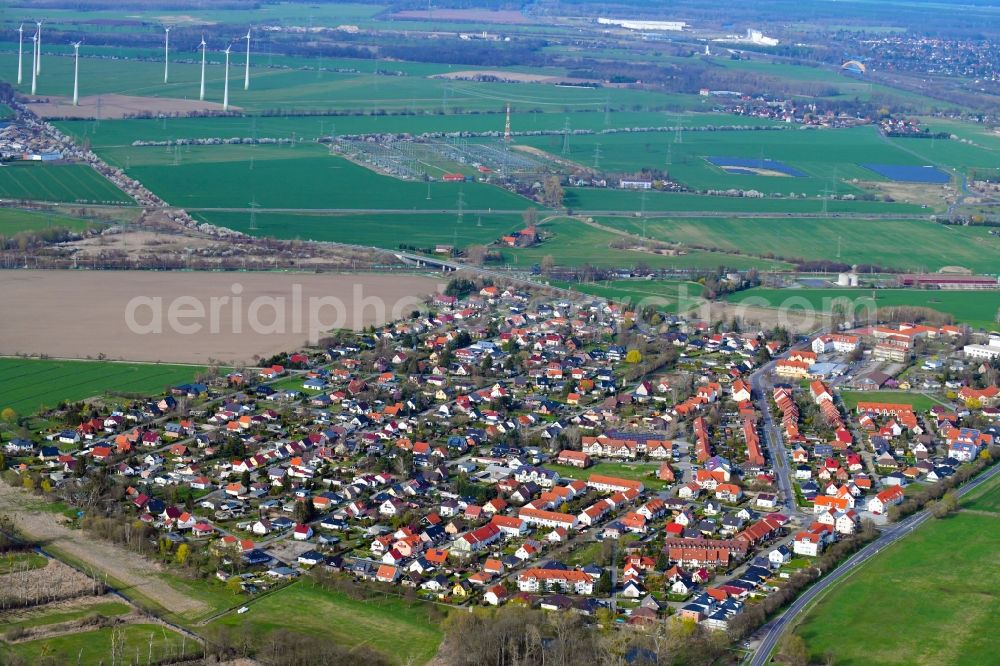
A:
779, 556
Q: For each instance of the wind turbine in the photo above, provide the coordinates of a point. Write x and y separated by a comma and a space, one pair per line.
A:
38, 51
20, 54
166, 53
76, 73
225, 93
34, 60
202, 45
246, 76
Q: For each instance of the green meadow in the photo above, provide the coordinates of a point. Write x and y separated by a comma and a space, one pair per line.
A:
121, 133
943, 613
638, 472
154, 642
976, 308
829, 157
919, 401
294, 177
574, 243
30, 384
917, 245
405, 632
42, 617
610, 200
670, 295
63, 183
315, 88
420, 229
13, 221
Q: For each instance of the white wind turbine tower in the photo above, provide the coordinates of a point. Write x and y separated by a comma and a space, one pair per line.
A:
246, 76
20, 54
76, 73
202, 45
38, 52
34, 59
225, 90
166, 53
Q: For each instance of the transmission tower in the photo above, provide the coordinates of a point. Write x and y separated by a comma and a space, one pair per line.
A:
506, 129
461, 206
253, 214
597, 156
565, 133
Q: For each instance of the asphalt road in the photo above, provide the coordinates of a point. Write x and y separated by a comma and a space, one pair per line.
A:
891, 535
772, 435
577, 212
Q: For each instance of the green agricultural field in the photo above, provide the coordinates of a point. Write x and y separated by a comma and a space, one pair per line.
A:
941, 614
609, 201
975, 308
30, 384
645, 472
978, 134
119, 133
405, 632
299, 177
422, 230
285, 12
64, 183
669, 295
13, 221
920, 402
312, 87
38, 618
917, 245
986, 498
829, 157
574, 243
94, 647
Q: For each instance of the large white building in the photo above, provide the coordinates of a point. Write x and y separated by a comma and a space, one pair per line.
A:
628, 24
987, 352
838, 342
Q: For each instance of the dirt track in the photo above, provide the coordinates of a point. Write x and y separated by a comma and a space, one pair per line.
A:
132, 570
